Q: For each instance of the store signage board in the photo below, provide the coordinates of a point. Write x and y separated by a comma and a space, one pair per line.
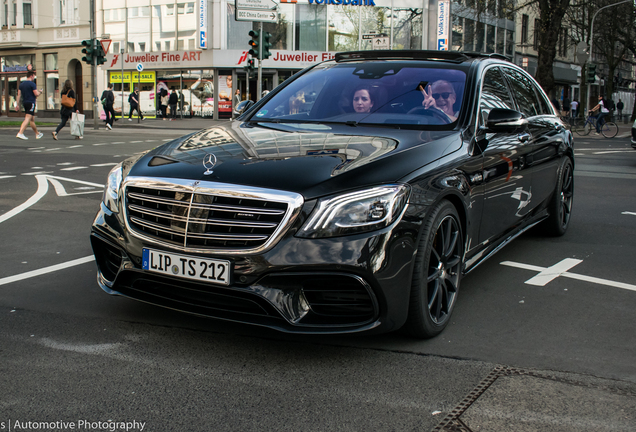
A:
369, 35
443, 24
203, 25
256, 4
256, 15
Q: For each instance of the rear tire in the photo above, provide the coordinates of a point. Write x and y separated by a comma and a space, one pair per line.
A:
560, 207
437, 273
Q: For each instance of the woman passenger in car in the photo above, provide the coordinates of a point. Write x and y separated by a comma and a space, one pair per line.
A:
440, 95
363, 100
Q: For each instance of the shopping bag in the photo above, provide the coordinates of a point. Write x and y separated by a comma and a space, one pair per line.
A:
102, 115
77, 124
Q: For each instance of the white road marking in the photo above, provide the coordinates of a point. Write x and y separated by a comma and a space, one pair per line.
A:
38, 173
76, 146
53, 149
73, 168
66, 163
570, 275
104, 164
629, 213
612, 151
101, 144
151, 140
46, 270
119, 142
36, 148
43, 187
135, 142
7, 176
551, 273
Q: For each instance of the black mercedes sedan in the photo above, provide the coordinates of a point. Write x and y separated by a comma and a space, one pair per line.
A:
353, 197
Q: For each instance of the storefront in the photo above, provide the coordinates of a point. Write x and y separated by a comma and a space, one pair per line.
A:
14, 70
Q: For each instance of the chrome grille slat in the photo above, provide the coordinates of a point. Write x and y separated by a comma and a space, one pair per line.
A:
158, 200
237, 209
156, 227
204, 217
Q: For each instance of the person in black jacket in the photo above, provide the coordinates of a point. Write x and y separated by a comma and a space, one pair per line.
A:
173, 101
108, 100
133, 100
66, 112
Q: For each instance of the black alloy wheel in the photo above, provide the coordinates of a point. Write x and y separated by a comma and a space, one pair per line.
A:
437, 273
560, 207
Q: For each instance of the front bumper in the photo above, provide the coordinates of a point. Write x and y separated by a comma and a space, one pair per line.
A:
337, 285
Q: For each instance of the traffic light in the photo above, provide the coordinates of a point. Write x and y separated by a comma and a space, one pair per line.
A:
255, 44
266, 45
101, 55
250, 69
89, 50
591, 73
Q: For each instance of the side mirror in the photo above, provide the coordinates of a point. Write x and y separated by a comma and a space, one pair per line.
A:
506, 121
243, 106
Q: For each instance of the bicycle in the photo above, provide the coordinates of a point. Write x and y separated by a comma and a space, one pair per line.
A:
608, 129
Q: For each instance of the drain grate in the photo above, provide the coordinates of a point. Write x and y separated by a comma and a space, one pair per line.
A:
453, 423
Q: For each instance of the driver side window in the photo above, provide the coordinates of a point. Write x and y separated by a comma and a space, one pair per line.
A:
494, 94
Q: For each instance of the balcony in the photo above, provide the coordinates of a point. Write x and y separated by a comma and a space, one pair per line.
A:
18, 37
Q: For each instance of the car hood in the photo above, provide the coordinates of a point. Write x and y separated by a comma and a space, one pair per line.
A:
310, 159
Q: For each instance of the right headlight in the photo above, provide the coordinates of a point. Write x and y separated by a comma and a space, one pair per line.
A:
355, 212
111, 190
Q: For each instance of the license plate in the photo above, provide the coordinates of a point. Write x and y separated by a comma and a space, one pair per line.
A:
199, 269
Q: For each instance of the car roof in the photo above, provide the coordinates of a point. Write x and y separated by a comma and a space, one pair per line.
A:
445, 56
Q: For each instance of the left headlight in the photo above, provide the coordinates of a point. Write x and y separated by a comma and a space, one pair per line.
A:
356, 212
111, 190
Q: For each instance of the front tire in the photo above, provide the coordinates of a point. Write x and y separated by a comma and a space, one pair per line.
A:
437, 273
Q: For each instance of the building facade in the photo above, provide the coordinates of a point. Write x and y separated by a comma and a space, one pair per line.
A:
45, 36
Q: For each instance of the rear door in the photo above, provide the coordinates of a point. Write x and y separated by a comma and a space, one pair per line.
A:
548, 134
506, 181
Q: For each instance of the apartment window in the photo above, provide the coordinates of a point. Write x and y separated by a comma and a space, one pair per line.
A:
563, 43
6, 14
26, 11
537, 35
189, 8
15, 14
170, 10
131, 47
61, 11
142, 46
181, 8
524, 29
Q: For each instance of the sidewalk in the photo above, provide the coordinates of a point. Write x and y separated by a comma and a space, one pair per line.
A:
191, 124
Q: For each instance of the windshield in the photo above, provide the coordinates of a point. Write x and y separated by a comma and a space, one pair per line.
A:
381, 92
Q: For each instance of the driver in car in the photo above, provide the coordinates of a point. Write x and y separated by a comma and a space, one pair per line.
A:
440, 95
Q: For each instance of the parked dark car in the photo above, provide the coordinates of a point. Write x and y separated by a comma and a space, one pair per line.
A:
354, 197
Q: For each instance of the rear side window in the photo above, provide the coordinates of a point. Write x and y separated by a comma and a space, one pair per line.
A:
494, 94
524, 93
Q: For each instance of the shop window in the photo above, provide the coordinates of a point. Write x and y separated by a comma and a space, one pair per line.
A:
490, 39
311, 27
281, 31
237, 31
26, 11
407, 28
500, 40
52, 82
510, 42
469, 35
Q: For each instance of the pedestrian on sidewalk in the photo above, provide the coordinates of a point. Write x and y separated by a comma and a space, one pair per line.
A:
574, 108
29, 91
619, 107
133, 100
65, 111
173, 101
165, 98
108, 100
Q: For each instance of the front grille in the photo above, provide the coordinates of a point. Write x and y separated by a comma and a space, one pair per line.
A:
195, 219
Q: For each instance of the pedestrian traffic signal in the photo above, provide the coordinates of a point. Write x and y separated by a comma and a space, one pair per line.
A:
591, 73
255, 51
88, 50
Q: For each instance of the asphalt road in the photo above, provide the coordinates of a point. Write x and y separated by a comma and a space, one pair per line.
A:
542, 336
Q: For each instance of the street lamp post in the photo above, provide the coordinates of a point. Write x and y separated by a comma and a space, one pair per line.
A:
121, 51
587, 100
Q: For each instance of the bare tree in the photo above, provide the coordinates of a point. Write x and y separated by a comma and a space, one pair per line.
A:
551, 14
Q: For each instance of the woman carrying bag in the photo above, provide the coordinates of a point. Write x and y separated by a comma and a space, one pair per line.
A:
69, 106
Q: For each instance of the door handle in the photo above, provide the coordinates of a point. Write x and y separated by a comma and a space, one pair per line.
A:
523, 137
